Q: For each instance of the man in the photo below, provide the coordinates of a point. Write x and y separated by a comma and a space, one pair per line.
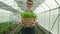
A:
29, 5
29, 30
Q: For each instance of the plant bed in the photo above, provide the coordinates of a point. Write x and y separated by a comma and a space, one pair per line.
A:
5, 27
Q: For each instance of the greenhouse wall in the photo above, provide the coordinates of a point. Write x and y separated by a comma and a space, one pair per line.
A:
50, 21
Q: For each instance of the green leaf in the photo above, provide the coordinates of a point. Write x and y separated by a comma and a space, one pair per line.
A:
27, 15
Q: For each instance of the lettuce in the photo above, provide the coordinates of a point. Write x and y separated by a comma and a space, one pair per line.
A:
27, 15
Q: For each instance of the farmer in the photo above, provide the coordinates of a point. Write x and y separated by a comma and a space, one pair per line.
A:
28, 29
29, 5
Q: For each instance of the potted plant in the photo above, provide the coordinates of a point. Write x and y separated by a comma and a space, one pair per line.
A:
28, 18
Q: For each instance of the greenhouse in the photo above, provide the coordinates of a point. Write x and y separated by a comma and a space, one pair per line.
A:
46, 12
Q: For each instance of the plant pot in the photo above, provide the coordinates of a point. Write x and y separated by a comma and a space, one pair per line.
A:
27, 22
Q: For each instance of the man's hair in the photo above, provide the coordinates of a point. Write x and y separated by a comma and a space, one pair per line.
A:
29, 1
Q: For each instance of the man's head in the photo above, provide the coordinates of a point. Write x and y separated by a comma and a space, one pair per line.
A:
29, 4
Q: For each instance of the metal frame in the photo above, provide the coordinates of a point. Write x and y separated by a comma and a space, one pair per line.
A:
50, 10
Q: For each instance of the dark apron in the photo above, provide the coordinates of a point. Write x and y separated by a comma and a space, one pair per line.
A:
27, 30
30, 11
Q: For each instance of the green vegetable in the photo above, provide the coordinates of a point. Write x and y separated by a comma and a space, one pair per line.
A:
5, 26
28, 15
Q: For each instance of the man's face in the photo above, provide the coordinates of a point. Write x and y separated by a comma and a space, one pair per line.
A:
29, 5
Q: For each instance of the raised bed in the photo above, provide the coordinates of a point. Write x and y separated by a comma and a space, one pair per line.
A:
5, 27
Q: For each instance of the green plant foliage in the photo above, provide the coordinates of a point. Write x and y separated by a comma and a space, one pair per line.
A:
5, 26
28, 15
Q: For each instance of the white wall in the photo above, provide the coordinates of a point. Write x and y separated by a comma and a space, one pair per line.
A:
47, 20
5, 15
